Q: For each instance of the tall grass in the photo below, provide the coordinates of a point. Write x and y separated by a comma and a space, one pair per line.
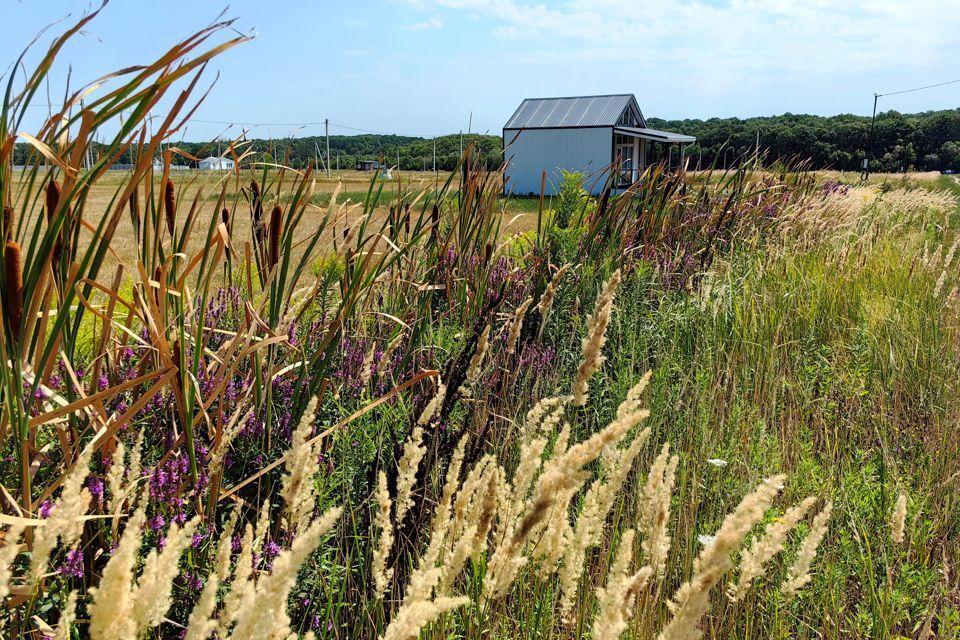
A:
717, 405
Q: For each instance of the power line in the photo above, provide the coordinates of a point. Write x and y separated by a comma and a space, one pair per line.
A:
929, 86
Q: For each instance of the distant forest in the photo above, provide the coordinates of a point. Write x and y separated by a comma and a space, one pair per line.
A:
928, 141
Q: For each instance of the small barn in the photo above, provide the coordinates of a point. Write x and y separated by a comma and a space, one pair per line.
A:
590, 134
214, 163
368, 165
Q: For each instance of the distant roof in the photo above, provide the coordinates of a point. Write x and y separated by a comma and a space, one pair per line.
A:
215, 159
655, 134
583, 111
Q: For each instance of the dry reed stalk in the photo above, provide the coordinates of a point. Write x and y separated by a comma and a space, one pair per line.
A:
13, 274
692, 600
617, 598
413, 452
297, 489
381, 574
898, 519
516, 323
799, 573
170, 206
654, 510
764, 548
596, 336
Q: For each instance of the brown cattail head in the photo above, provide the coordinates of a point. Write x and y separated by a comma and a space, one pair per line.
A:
406, 218
256, 201
225, 216
53, 198
435, 223
276, 220
13, 285
170, 205
8, 222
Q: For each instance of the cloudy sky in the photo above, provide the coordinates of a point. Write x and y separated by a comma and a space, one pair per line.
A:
421, 67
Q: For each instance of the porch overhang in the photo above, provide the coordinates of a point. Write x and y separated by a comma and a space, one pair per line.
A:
655, 135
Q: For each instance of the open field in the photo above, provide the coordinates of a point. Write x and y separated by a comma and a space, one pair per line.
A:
718, 406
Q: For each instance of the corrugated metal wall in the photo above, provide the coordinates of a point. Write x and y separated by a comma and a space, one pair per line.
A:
532, 151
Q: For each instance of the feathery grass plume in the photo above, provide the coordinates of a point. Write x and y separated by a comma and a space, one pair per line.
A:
939, 286
8, 553
227, 436
413, 452
433, 407
152, 595
616, 600
898, 518
516, 323
240, 594
111, 611
170, 206
596, 506
413, 617
549, 294
654, 510
297, 489
115, 481
596, 336
276, 226
799, 573
692, 600
201, 622
13, 273
953, 250
558, 476
476, 362
67, 618
381, 574
267, 618
765, 547
65, 522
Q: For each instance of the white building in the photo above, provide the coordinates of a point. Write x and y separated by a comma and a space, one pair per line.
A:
590, 134
214, 163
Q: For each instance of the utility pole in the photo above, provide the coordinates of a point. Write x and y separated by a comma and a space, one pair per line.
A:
434, 155
338, 161
326, 124
461, 143
398, 158
868, 152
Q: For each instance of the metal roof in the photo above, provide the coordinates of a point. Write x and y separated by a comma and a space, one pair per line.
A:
584, 111
655, 134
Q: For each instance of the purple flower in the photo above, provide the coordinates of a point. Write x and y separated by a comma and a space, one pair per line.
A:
45, 508
73, 565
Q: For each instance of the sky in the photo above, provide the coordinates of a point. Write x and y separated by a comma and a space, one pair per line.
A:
432, 67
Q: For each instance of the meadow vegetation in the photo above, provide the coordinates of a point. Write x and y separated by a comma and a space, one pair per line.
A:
718, 405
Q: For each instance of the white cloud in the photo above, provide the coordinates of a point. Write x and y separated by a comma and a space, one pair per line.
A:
429, 24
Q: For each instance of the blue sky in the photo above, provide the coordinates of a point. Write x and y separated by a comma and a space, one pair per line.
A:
420, 67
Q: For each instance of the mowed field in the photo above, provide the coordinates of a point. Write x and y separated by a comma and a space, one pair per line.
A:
202, 190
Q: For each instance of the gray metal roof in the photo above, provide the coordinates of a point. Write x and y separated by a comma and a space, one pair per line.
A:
584, 111
655, 134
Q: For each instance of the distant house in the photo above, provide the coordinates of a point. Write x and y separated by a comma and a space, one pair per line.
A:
368, 165
590, 134
214, 163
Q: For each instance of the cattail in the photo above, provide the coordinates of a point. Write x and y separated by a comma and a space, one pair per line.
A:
170, 206
13, 274
276, 219
692, 600
516, 323
413, 452
596, 337
52, 199
8, 222
764, 548
297, 489
616, 599
549, 294
799, 573
898, 518
654, 510
111, 611
382, 575
434, 224
476, 362
225, 220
